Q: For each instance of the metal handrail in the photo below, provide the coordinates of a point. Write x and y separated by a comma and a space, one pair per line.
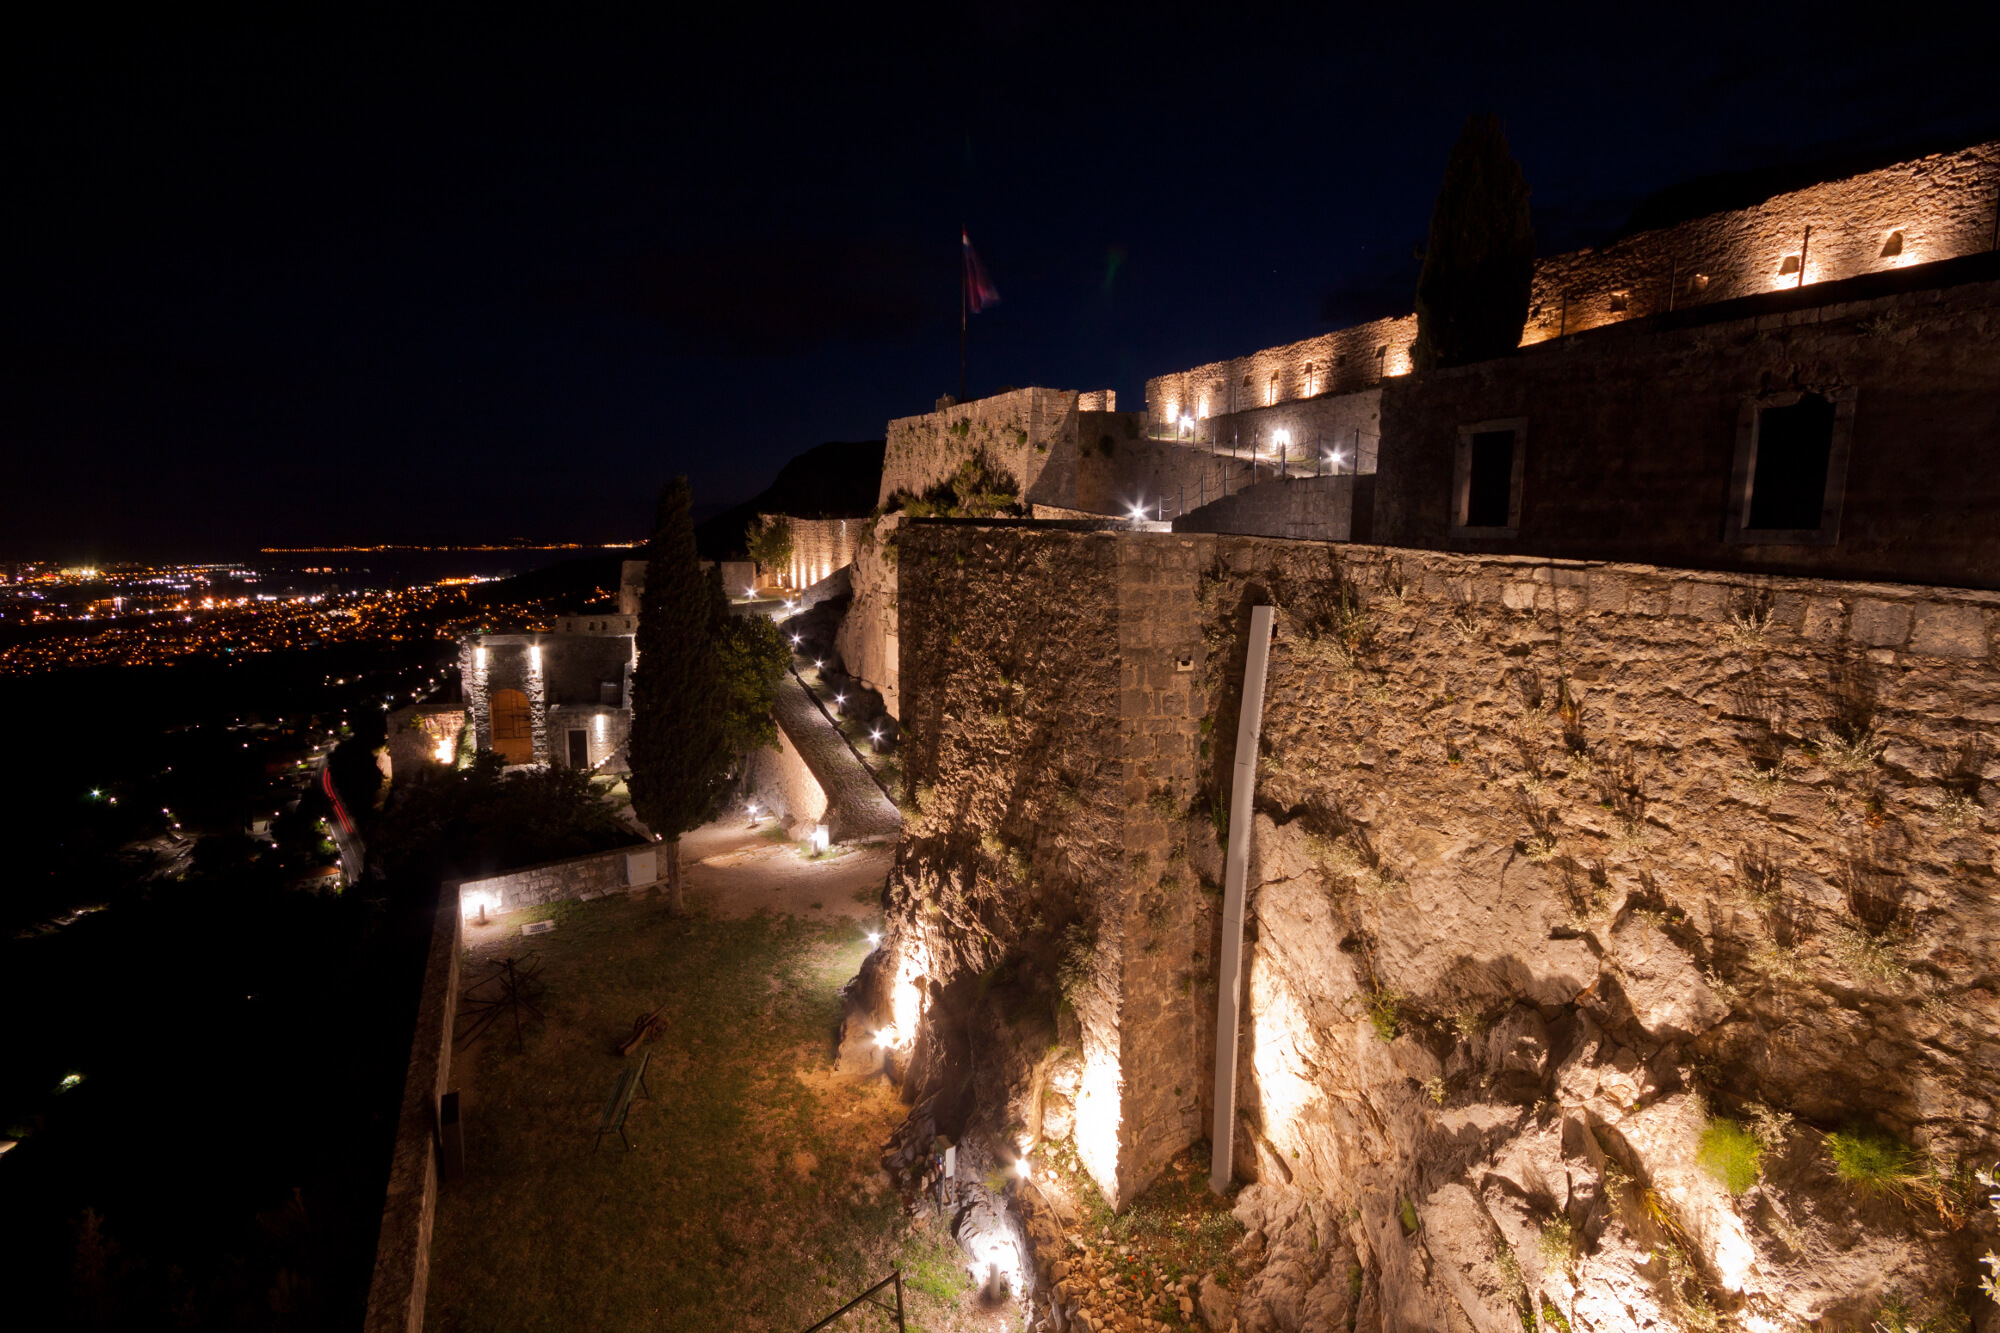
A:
895, 1279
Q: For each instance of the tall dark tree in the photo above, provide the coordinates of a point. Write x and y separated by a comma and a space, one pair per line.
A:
679, 747
1479, 264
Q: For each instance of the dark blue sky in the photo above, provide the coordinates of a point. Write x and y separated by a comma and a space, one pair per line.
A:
383, 278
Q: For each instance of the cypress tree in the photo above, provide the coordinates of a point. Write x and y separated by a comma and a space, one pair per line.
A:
1479, 264
678, 749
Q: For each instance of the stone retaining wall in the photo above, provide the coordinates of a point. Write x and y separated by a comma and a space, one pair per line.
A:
531, 886
867, 640
1302, 508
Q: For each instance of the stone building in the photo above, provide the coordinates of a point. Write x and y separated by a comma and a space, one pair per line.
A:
1848, 430
563, 698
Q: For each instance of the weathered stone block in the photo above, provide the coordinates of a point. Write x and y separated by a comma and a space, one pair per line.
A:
1949, 631
1879, 624
1824, 619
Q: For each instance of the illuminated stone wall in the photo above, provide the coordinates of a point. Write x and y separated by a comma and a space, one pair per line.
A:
1937, 207
1028, 433
1553, 860
785, 787
605, 727
421, 734
1117, 470
1320, 509
631, 586
868, 641
1049, 738
589, 876
1346, 361
819, 547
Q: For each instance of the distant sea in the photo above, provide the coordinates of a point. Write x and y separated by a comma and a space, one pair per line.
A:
320, 571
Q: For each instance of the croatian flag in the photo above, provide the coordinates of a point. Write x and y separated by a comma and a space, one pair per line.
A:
979, 291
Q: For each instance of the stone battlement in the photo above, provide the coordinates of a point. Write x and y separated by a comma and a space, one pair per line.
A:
1938, 207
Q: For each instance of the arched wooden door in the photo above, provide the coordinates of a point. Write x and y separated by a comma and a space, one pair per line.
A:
513, 727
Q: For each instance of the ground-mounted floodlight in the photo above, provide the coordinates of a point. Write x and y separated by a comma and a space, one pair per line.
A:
819, 840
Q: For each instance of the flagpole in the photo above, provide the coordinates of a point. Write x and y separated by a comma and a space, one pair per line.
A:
964, 277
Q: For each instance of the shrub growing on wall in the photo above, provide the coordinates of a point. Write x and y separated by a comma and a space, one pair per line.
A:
1479, 264
769, 542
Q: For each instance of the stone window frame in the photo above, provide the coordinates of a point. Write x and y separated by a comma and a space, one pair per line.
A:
1461, 477
1743, 471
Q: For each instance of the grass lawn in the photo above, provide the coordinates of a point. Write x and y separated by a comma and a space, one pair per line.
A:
753, 1198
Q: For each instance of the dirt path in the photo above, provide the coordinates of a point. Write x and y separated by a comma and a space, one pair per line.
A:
734, 870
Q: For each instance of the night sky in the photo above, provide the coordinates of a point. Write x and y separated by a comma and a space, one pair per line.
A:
459, 278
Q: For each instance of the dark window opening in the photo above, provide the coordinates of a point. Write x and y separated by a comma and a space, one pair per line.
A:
1489, 497
1618, 300
1791, 265
1794, 445
579, 750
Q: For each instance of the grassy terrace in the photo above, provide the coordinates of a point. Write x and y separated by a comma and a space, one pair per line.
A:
753, 1198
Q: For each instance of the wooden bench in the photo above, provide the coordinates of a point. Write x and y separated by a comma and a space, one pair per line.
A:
632, 1080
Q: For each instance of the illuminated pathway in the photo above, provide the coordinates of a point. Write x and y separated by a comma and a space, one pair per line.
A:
856, 807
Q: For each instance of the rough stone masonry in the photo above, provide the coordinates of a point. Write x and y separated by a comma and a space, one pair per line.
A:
1558, 864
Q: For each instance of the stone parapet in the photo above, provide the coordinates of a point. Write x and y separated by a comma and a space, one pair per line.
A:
557, 881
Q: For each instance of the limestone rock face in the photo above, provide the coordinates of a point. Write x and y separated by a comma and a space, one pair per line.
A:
1669, 998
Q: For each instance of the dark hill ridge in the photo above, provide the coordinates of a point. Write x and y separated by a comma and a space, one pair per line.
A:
834, 480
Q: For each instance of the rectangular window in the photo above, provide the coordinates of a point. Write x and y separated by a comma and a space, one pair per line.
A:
1788, 485
1486, 481
1791, 468
1486, 500
579, 749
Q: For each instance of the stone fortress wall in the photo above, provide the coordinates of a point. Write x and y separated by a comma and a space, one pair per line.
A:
819, 547
1342, 362
1028, 433
1546, 853
867, 639
617, 871
1937, 207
